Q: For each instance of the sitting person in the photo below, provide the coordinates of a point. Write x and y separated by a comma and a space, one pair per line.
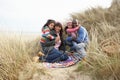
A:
59, 45
71, 31
48, 42
81, 41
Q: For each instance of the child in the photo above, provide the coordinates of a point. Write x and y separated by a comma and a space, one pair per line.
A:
46, 30
72, 32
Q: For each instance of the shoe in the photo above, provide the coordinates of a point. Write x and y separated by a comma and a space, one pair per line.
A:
36, 59
40, 54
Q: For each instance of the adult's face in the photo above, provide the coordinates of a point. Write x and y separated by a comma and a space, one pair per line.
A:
57, 28
51, 25
74, 24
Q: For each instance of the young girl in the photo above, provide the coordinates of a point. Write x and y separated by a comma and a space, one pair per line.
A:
47, 28
48, 41
72, 32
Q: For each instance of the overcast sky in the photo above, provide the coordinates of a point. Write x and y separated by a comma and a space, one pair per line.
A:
31, 15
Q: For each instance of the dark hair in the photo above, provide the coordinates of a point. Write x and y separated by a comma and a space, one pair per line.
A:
59, 25
74, 23
65, 29
49, 21
62, 46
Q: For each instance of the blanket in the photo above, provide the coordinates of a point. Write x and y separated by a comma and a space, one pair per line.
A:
72, 60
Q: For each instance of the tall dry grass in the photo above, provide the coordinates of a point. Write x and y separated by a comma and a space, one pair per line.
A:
16, 58
103, 25
103, 60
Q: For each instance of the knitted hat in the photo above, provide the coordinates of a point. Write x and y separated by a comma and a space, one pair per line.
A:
69, 23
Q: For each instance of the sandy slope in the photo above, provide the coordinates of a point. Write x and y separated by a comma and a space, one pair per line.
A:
67, 74
34, 72
63, 74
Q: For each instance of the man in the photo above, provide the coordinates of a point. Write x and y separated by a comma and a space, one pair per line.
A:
81, 42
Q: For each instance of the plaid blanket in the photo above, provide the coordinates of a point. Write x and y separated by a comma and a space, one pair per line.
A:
72, 60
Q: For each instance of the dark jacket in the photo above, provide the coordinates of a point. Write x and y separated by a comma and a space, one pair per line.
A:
49, 45
62, 46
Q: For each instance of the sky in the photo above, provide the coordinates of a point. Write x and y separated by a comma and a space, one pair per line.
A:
31, 15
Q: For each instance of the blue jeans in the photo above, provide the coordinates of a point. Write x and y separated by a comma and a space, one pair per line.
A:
55, 56
71, 44
80, 48
77, 47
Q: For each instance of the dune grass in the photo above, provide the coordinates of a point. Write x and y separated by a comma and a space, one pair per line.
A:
16, 58
103, 25
103, 53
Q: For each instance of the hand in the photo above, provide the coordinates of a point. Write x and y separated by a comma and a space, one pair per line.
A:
58, 35
69, 34
57, 39
79, 25
74, 38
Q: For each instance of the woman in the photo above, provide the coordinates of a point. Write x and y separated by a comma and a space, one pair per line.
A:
48, 42
59, 45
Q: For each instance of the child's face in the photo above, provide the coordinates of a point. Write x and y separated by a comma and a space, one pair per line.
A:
57, 28
51, 25
69, 25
